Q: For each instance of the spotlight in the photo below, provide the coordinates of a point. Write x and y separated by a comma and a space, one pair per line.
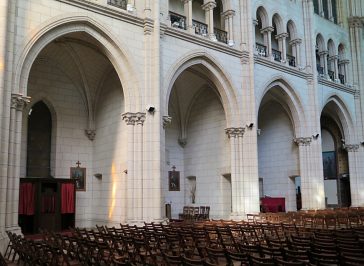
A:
343, 141
250, 126
316, 136
150, 109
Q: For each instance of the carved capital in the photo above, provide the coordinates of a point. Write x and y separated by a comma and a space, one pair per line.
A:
323, 53
182, 142
140, 118
167, 120
209, 5
90, 133
295, 42
282, 35
129, 118
303, 141
333, 57
234, 132
18, 101
355, 22
228, 13
267, 29
148, 26
351, 147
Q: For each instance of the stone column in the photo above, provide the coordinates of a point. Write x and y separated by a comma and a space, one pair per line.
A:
321, 8
18, 102
282, 45
130, 119
138, 166
356, 168
209, 6
188, 14
228, 16
267, 33
344, 69
323, 62
335, 60
329, 8
296, 50
313, 194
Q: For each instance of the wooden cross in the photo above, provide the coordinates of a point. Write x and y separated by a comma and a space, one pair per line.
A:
78, 164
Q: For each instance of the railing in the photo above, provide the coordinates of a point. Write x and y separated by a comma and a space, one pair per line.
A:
342, 78
261, 49
331, 74
200, 28
277, 55
118, 3
291, 60
320, 69
221, 35
177, 20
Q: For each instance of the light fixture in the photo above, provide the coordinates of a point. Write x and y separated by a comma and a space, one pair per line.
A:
315, 136
362, 143
98, 176
343, 141
250, 126
150, 109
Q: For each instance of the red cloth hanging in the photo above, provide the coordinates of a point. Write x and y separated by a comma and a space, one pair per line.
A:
26, 199
67, 198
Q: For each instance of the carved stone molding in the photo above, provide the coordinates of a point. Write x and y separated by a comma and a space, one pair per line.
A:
267, 29
303, 141
90, 133
140, 118
281, 35
323, 53
351, 147
129, 118
148, 26
182, 142
355, 22
167, 120
209, 5
228, 13
295, 41
234, 132
18, 101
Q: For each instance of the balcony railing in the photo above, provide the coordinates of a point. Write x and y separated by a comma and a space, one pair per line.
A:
291, 60
221, 35
320, 69
331, 74
342, 78
177, 20
118, 3
200, 28
261, 49
277, 55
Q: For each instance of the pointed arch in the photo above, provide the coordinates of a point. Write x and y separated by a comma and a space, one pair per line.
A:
62, 25
289, 100
215, 74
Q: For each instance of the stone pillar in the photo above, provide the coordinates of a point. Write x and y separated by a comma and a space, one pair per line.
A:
188, 15
18, 102
296, 50
267, 33
343, 69
323, 62
335, 61
282, 45
228, 16
321, 8
355, 156
312, 188
209, 6
329, 8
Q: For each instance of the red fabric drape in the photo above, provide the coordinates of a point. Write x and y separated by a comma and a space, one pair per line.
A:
26, 199
67, 198
273, 204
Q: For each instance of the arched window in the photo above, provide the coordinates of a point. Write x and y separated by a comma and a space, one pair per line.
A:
331, 59
316, 6
261, 32
321, 54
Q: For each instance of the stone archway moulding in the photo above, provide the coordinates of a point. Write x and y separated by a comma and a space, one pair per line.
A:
59, 26
294, 103
343, 114
216, 74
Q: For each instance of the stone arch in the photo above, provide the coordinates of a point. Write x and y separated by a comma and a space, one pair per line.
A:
341, 51
320, 43
331, 47
62, 25
263, 16
340, 113
215, 73
292, 30
289, 100
278, 22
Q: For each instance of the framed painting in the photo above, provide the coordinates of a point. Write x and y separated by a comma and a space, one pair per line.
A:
173, 180
79, 175
329, 165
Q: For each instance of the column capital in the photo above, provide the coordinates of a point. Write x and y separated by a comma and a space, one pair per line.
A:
228, 13
19, 101
140, 118
351, 147
167, 120
333, 57
233, 132
303, 141
267, 29
208, 5
295, 41
323, 53
355, 22
90, 133
186, 1
282, 35
343, 61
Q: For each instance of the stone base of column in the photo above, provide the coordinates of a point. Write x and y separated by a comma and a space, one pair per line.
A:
191, 30
232, 43
14, 229
212, 37
4, 240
